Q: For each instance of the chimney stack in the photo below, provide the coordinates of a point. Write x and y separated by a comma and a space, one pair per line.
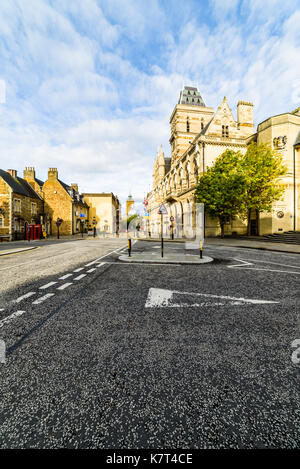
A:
12, 172
74, 186
29, 173
52, 174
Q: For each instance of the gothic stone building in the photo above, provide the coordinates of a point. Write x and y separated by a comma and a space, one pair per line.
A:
198, 136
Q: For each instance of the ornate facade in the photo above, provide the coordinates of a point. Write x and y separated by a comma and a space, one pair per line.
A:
198, 136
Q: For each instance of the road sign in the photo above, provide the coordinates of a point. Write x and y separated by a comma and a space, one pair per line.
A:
82, 215
162, 210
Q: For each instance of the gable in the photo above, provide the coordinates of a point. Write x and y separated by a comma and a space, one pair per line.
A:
223, 116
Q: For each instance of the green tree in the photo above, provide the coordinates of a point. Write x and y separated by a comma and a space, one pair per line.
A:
263, 168
222, 187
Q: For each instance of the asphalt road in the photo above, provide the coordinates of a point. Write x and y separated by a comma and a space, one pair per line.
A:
119, 355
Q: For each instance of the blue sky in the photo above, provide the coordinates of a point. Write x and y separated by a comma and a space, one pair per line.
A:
89, 86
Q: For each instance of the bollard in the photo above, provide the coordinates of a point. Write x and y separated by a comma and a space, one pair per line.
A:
129, 247
200, 249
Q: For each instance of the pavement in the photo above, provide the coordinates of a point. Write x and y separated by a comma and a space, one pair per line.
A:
107, 354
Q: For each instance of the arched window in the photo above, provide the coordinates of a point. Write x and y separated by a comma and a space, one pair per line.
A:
187, 125
202, 123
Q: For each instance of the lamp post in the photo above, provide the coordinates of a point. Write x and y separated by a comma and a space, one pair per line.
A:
58, 223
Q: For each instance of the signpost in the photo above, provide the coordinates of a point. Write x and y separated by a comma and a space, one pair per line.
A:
162, 211
172, 227
200, 213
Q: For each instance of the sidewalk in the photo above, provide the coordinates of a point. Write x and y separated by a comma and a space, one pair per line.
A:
169, 258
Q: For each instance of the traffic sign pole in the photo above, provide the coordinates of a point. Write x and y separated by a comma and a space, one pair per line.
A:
162, 237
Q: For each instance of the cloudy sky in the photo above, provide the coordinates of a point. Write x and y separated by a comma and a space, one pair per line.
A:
89, 86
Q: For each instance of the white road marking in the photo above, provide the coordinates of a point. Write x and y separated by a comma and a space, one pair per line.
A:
91, 270
273, 270
11, 317
1, 309
78, 270
65, 285
65, 276
80, 277
239, 265
47, 285
102, 257
42, 299
27, 295
158, 297
276, 263
102, 263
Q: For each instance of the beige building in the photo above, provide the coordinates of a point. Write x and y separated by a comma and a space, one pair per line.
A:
198, 136
104, 212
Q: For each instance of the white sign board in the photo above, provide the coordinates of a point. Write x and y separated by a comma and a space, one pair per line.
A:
162, 210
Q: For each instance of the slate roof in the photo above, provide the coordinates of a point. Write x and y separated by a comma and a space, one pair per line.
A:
19, 185
191, 96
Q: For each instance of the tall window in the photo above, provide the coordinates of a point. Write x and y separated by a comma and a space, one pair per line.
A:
202, 124
17, 205
187, 125
225, 131
33, 209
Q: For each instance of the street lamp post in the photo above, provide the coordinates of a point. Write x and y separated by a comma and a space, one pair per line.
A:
58, 223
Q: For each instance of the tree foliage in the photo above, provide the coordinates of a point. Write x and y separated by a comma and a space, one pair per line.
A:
222, 187
237, 183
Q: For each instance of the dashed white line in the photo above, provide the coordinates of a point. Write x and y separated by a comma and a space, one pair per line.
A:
80, 277
65, 285
11, 317
42, 298
47, 285
65, 276
91, 270
23, 297
102, 263
78, 270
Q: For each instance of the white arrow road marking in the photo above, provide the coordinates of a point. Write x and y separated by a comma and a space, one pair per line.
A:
42, 299
47, 285
158, 297
11, 317
239, 265
65, 276
65, 285
27, 295
246, 263
80, 277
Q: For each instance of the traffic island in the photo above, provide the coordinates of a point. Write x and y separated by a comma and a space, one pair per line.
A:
169, 258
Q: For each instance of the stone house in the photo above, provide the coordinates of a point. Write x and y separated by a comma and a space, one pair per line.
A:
198, 136
20, 206
63, 201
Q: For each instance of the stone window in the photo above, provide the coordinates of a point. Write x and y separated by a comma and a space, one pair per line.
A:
187, 125
33, 209
202, 123
225, 131
17, 205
